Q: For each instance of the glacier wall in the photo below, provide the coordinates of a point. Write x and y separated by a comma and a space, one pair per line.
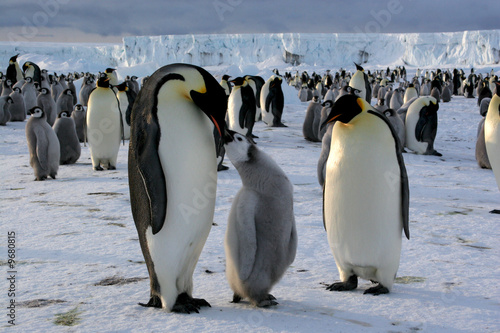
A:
468, 48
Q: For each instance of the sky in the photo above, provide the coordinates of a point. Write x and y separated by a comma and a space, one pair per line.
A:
110, 21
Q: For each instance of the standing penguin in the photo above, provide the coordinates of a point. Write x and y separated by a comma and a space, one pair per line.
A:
126, 97
65, 130
88, 85
5, 103
421, 126
272, 102
32, 70
492, 134
17, 109
30, 93
325, 152
225, 84
6, 87
241, 107
173, 177
46, 102
65, 102
410, 93
14, 72
310, 126
55, 87
365, 242
71, 86
325, 110
397, 123
43, 145
104, 127
78, 115
359, 81
256, 82
261, 238
133, 84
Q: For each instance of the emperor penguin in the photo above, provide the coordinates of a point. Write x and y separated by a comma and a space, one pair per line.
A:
481, 154
173, 177
421, 125
14, 72
48, 105
43, 145
410, 93
446, 95
65, 102
78, 115
72, 87
5, 103
29, 92
241, 107
225, 84
113, 78
32, 70
126, 97
397, 123
6, 87
256, 82
365, 196
17, 109
359, 81
492, 133
133, 84
325, 152
272, 102
261, 237
104, 125
310, 126
87, 87
65, 129
55, 88
325, 110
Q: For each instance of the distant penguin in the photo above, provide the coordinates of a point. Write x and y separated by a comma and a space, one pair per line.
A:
403, 110
225, 84
272, 102
446, 95
325, 110
360, 82
256, 82
71, 86
133, 84
126, 97
43, 145
55, 88
241, 107
492, 133
30, 93
311, 120
483, 108
113, 77
14, 72
410, 93
17, 109
32, 70
396, 99
381, 106
325, 152
172, 166
261, 237
397, 123
65, 129
364, 226
484, 92
302, 93
6, 87
78, 116
5, 103
88, 86
436, 94
46, 102
104, 129
421, 126
65, 102
63, 82
481, 154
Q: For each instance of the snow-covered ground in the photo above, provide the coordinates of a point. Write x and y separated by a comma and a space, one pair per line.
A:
78, 255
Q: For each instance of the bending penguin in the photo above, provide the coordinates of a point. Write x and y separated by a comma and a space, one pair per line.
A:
492, 136
43, 145
364, 212
421, 126
261, 238
172, 166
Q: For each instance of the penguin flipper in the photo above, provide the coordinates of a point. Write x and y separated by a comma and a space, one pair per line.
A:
42, 148
244, 110
405, 189
247, 234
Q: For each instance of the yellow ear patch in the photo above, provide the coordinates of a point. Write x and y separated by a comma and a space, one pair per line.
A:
360, 103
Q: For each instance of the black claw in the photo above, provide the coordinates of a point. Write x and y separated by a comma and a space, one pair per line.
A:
236, 298
350, 284
111, 167
98, 168
154, 302
377, 290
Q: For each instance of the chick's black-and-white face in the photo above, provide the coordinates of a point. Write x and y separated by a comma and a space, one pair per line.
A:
37, 112
238, 148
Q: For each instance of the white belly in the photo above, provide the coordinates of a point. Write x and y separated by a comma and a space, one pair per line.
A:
492, 139
188, 158
363, 213
122, 98
411, 141
233, 111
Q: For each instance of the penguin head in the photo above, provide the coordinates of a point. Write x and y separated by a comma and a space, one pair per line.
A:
29, 79
44, 91
122, 86
63, 114
345, 109
133, 78
8, 83
68, 92
13, 59
26, 65
16, 89
225, 77
109, 70
327, 104
78, 108
103, 81
276, 82
239, 81
37, 112
239, 148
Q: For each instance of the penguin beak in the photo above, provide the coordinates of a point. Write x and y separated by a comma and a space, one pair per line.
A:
228, 135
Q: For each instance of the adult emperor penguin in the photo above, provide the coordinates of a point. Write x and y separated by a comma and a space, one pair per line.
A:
241, 107
32, 70
14, 72
410, 92
65, 129
359, 81
173, 176
126, 97
365, 169
272, 102
261, 238
46, 102
225, 84
43, 145
256, 82
79, 113
421, 125
104, 125
492, 134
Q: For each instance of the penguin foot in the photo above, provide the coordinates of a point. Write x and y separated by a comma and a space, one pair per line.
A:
222, 168
111, 167
350, 284
495, 211
154, 302
279, 125
236, 298
40, 178
377, 290
53, 176
270, 300
98, 168
187, 304
255, 136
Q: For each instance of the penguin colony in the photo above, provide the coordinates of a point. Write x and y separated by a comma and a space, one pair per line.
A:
185, 104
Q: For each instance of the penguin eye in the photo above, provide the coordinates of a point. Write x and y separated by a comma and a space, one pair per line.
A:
240, 139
